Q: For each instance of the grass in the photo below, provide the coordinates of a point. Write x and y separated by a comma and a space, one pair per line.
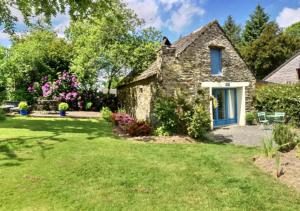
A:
67, 164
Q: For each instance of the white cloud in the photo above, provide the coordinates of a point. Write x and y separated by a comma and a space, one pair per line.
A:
172, 14
288, 16
60, 23
147, 10
169, 4
17, 13
184, 16
4, 36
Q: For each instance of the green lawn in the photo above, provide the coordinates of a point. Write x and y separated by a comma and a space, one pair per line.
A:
64, 164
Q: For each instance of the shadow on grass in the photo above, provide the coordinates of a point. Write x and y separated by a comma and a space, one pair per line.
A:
58, 129
9, 146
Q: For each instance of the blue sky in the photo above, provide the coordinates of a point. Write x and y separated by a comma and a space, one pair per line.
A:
180, 17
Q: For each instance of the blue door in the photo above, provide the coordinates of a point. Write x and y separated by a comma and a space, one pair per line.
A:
226, 112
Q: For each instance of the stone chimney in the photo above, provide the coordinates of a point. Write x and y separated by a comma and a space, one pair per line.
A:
167, 50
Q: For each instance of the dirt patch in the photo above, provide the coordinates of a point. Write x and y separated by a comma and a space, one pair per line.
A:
158, 139
290, 165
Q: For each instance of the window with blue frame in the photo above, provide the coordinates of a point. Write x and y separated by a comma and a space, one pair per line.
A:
216, 61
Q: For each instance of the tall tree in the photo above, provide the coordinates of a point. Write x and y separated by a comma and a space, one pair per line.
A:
47, 9
269, 50
255, 26
293, 30
232, 30
110, 47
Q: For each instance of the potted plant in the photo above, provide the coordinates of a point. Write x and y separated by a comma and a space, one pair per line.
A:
63, 107
23, 107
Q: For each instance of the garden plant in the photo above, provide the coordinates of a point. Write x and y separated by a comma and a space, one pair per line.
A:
23, 107
63, 107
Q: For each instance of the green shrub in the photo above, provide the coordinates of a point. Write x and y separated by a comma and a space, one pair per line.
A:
121, 110
282, 98
268, 147
63, 106
161, 131
165, 112
2, 115
88, 106
284, 137
250, 118
23, 106
199, 122
106, 114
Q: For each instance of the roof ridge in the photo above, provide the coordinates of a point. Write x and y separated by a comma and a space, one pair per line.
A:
193, 36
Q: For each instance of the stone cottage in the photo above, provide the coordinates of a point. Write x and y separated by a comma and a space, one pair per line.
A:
204, 59
287, 73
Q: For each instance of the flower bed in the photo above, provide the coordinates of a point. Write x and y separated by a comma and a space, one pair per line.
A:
131, 126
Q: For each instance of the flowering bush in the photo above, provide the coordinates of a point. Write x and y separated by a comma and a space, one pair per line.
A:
67, 89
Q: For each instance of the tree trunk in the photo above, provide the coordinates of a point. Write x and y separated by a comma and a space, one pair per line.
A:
109, 84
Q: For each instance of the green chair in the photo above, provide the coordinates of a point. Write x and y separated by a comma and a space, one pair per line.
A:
279, 117
262, 119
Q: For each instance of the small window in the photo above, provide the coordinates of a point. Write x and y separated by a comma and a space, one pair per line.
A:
216, 61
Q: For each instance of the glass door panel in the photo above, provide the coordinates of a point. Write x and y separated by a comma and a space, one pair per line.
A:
225, 113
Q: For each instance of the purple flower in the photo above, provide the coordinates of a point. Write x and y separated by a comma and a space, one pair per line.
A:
46, 88
31, 89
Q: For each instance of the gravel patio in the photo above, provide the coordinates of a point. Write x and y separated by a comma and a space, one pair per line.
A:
242, 135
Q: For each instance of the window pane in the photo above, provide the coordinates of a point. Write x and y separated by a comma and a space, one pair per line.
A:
221, 104
216, 61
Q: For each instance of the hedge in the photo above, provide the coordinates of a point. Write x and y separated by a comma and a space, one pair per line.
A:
281, 98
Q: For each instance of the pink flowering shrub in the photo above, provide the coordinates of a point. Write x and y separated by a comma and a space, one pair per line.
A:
66, 88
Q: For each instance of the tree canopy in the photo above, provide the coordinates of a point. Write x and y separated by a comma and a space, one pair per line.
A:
35, 55
110, 47
232, 30
293, 30
47, 9
255, 25
269, 50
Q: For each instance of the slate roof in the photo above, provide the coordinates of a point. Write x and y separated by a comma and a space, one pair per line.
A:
281, 66
180, 46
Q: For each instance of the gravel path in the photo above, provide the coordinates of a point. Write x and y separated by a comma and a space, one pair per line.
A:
246, 135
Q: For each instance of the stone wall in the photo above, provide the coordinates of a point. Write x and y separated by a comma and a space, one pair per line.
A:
189, 69
138, 98
186, 72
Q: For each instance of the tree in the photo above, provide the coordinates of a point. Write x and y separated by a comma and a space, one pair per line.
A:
47, 9
293, 30
232, 30
255, 26
2, 73
111, 47
33, 56
269, 50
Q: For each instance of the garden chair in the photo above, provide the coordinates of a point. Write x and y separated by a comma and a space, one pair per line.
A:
279, 117
262, 119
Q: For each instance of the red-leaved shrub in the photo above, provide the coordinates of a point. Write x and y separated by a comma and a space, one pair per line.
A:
129, 125
139, 128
